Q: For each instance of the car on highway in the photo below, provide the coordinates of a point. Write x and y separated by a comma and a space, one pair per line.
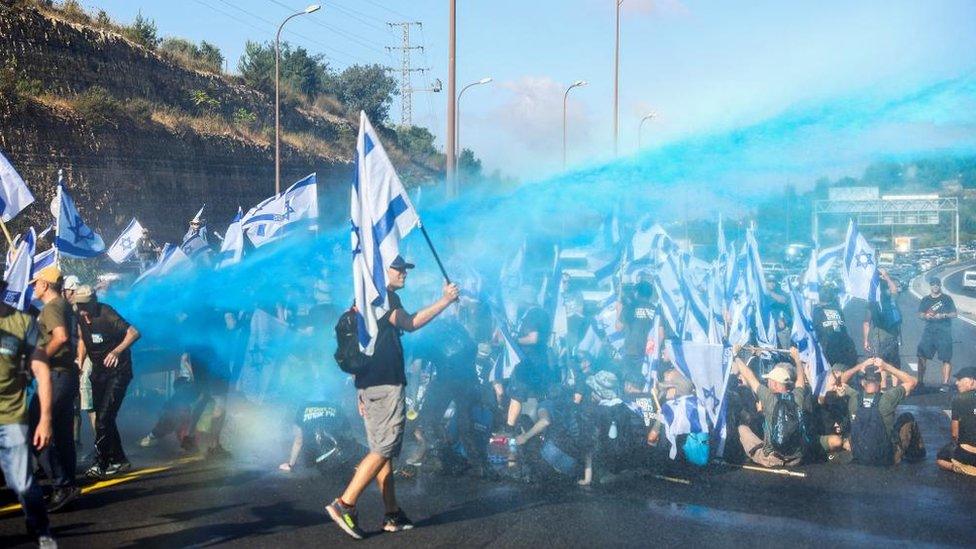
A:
969, 281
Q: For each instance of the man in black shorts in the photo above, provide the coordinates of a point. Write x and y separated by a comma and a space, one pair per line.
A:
381, 395
937, 311
532, 376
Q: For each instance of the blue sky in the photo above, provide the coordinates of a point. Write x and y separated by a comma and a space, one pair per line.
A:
702, 65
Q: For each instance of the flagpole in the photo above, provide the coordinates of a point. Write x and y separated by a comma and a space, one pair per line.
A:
57, 220
6, 233
437, 258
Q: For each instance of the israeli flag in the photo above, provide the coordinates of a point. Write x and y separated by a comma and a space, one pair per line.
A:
14, 194
682, 416
170, 259
73, 238
297, 207
44, 259
649, 245
804, 337
512, 356
126, 244
18, 273
860, 270
381, 214
591, 343
606, 323
670, 290
707, 366
232, 248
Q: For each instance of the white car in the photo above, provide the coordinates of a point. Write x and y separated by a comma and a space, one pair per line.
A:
969, 281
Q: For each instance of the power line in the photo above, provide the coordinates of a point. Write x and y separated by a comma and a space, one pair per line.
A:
340, 32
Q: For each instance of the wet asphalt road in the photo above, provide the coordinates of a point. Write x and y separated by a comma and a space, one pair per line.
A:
246, 502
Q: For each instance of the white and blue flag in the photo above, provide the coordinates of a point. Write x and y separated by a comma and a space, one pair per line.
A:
170, 259
682, 416
804, 338
20, 269
232, 247
14, 194
381, 214
45, 259
73, 238
860, 269
126, 244
297, 207
707, 366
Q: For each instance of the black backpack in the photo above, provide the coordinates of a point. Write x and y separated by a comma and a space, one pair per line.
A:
350, 359
785, 429
870, 441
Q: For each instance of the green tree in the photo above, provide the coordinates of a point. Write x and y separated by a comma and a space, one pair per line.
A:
368, 88
143, 31
469, 165
416, 141
301, 72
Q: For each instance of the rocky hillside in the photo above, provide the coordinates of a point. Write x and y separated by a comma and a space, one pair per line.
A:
140, 134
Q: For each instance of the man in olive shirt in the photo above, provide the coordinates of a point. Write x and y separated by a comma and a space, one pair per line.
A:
18, 335
57, 336
779, 383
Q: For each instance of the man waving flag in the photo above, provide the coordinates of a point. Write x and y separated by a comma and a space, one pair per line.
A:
381, 214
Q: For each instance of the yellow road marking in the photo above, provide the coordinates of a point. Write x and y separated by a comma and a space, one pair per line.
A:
139, 473
673, 479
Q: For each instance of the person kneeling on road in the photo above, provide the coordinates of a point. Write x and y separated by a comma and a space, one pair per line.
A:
959, 456
784, 402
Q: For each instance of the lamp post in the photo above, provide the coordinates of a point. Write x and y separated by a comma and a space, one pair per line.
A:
649, 116
457, 121
576, 84
451, 98
311, 8
616, 77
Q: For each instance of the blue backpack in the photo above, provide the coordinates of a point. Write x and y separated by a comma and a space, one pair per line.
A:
786, 429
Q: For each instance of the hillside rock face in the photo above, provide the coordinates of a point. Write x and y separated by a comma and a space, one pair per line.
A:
126, 166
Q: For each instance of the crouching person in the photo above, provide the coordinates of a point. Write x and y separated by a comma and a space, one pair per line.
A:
959, 456
784, 400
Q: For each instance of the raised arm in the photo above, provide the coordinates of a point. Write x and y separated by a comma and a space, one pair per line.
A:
801, 374
850, 372
747, 374
411, 322
907, 381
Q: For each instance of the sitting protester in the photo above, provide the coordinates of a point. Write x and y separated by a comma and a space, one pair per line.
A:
784, 401
834, 411
877, 437
959, 456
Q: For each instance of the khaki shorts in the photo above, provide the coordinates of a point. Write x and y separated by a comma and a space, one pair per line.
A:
384, 416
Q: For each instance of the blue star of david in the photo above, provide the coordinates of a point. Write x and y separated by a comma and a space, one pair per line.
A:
288, 211
357, 248
126, 243
78, 228
709, 394
864, 259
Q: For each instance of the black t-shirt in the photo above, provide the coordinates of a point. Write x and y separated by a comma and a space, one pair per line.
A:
535, 320
888, 318
103, 329
831, 329
937, 305
964, 411
385, 367
637, 316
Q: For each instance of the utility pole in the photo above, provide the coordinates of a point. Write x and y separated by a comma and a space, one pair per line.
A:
616, 77
406, 89
451, 100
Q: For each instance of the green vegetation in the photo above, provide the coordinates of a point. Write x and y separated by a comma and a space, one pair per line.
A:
205, 57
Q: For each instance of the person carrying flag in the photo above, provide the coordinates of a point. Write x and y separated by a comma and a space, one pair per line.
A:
380, 395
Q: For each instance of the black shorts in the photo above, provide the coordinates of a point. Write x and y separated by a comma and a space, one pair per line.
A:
935, 344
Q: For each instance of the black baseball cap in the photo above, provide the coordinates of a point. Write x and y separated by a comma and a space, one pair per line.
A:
871, 374
969, 372
401, 264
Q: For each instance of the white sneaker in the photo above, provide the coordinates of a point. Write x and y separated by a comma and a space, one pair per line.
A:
148, 441
47, 542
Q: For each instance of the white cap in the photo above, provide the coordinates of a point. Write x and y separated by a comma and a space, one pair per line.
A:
71, 282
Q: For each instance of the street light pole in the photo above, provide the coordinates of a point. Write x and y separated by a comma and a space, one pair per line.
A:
311, 8
640, 127
616, 78
576, 84
451, 99
457, 124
